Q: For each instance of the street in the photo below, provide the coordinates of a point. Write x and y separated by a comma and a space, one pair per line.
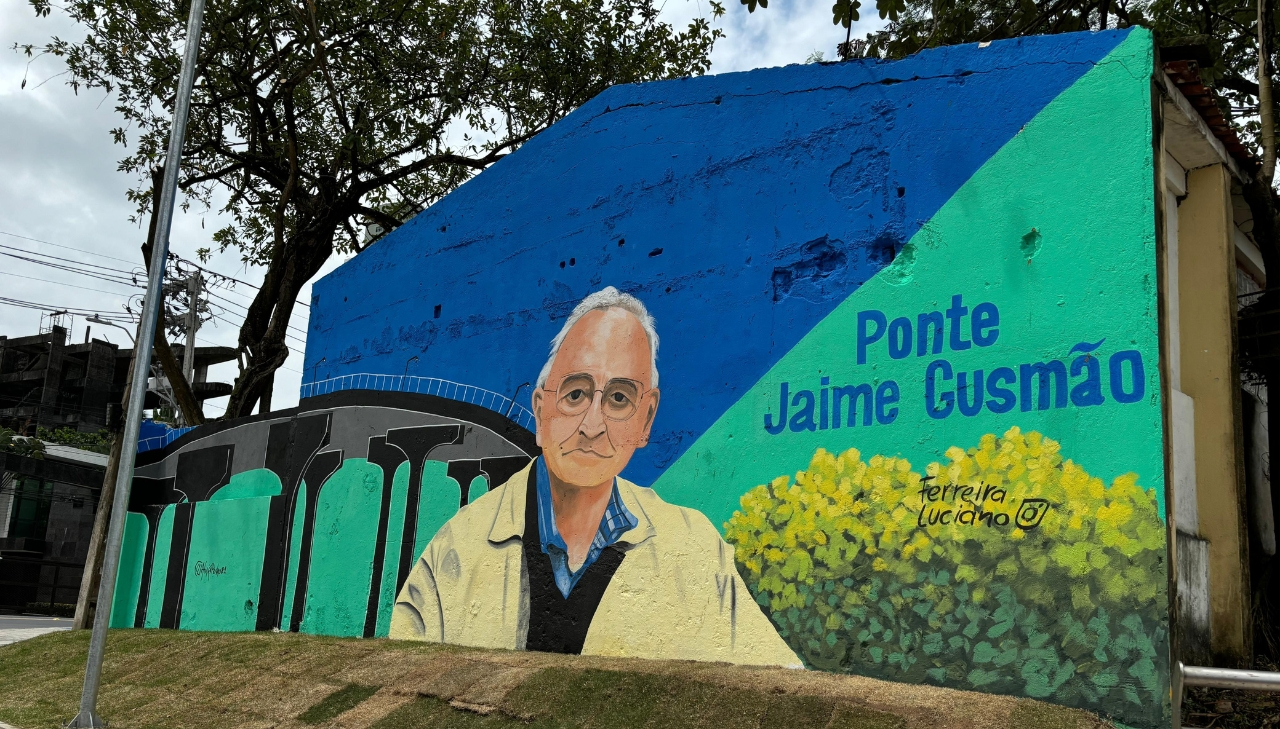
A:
14, 628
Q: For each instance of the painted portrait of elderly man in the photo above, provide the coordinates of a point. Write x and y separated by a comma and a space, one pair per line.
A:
568, 557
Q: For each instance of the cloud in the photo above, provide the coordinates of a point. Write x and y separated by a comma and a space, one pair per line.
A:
784, 33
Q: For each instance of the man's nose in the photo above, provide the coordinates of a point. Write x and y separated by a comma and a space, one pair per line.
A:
593, 425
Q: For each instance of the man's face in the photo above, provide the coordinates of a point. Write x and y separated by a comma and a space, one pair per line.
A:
596, 407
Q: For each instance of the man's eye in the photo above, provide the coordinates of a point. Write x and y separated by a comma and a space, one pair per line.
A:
619, 398
575, 395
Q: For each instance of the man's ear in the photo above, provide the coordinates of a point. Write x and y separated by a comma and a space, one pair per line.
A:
536, 403
650, 414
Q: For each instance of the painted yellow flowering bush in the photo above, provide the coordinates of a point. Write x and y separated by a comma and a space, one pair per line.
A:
1004, 569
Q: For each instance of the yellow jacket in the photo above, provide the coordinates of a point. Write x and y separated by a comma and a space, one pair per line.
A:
677, 595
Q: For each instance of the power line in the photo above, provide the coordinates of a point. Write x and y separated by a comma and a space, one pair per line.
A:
211, 344
131, 283
189, 262
60, 283
68, 260
246, 309
57, 245
295, 338
70, 310
110, 278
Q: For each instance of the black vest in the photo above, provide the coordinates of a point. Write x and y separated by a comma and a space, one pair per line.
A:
557, 624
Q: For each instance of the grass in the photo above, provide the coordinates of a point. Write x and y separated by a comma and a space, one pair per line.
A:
155, 678
556, 698
344, 699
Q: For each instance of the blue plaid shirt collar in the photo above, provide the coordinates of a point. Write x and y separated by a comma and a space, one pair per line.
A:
617, 520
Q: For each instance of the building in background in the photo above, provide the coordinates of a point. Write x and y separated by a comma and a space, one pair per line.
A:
47, 508
1224, 515
47, 382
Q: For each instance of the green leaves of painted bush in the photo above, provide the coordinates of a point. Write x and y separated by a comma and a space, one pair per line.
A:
1052, 586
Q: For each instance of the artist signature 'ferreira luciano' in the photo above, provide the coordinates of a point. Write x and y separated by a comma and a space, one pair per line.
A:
984, 505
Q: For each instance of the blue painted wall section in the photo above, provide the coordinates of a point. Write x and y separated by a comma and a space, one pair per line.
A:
732, 205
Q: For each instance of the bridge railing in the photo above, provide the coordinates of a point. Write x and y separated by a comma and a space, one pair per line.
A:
423, 385
160, 441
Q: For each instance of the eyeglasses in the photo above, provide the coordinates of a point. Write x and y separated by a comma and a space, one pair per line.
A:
621, 397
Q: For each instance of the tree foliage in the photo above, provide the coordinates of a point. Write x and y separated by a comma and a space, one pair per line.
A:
313, 119
98, 442
11, 442
921, 25
1224, 34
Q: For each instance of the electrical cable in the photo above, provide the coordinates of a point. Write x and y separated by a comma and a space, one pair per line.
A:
119, 272
60, 283
78, 311
57, 245
67, 260
246, 310
300, 341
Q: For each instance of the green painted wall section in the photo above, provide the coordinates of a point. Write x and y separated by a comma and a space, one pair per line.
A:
224, 564
346, 536
438, 502
133, 551
1027, 241
391, 547
295, 549
159, 567
248, 485
479, 487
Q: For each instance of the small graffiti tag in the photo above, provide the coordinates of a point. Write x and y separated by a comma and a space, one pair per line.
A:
205, 570
983, 505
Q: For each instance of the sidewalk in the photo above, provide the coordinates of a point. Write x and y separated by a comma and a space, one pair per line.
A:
17, 634
14, 628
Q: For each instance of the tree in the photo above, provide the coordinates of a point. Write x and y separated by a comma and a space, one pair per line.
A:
97, 442
313, 120
11, 442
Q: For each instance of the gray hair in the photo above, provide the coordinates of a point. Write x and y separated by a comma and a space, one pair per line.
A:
606, 298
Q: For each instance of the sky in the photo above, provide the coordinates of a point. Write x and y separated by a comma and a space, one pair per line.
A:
61, 194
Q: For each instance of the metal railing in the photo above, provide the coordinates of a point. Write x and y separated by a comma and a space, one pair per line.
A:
1230, 678
160, 441
426, 386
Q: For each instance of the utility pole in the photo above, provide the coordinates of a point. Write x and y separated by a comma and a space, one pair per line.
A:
88, 717
194, 284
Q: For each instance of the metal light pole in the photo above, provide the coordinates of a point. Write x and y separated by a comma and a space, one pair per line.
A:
141, 367
99, 320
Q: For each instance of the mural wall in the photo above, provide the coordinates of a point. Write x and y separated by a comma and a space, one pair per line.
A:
304, 520
852, 367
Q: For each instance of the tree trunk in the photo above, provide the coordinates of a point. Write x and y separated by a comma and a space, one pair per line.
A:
1266, 109
92, 572
264, 402
262, 337
187, 402
191, 411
